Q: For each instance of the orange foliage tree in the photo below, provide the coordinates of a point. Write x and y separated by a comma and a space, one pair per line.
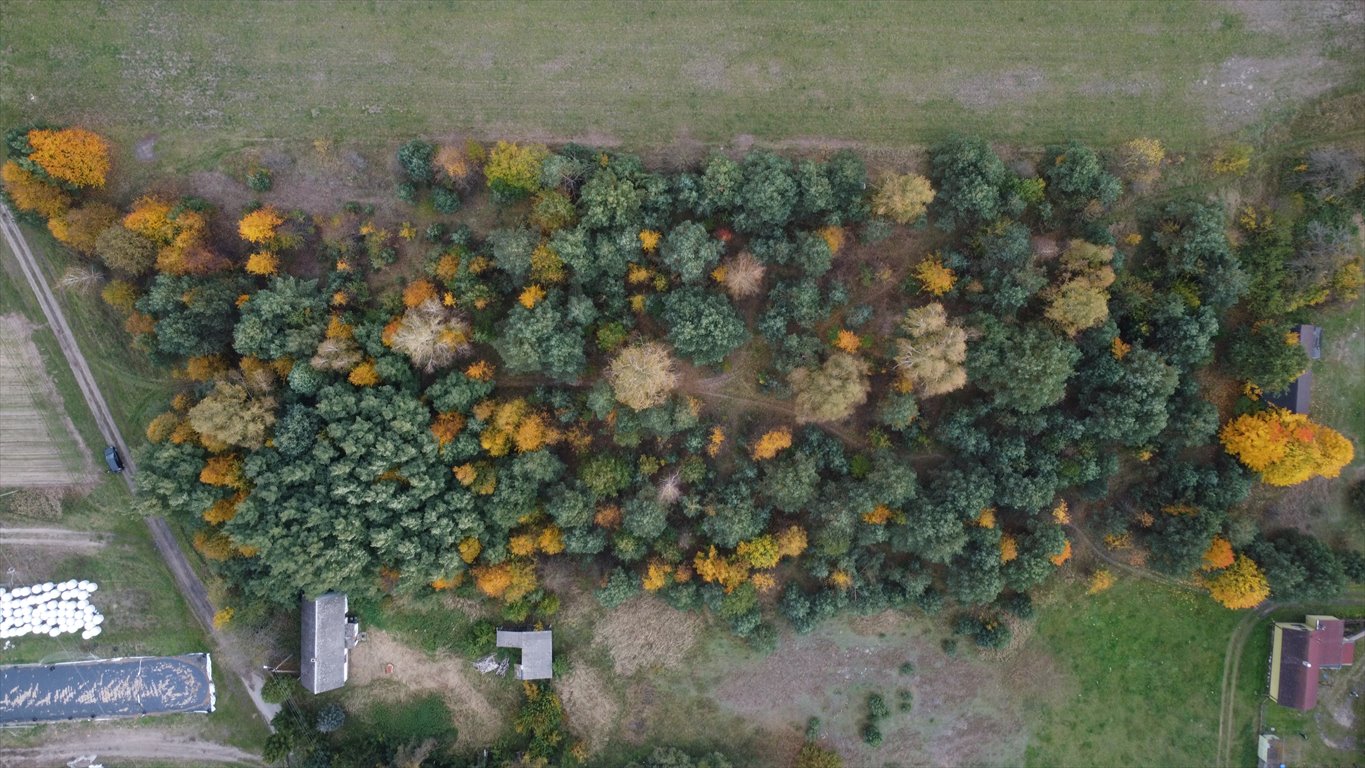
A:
263, 263
364, 375
1219, 554
1286, 448
151, 218
1240, 585
791, 542
715, 568
73, 155
510, 580
31, 193
418, 292
79, 227
848, 341
1100, 581
223, 471
1064, 555
934, 278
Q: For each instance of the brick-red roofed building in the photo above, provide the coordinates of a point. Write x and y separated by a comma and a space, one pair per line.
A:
1300, 652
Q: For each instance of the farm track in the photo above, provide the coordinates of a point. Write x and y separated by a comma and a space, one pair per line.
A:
1232, 662
51, 537
125, 746
189, 584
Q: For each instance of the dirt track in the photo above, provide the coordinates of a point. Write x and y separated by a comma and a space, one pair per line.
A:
125, 746
51, 537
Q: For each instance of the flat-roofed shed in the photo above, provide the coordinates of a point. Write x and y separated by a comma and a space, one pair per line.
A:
537, 653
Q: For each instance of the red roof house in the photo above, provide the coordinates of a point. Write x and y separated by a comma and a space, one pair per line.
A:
1298, 654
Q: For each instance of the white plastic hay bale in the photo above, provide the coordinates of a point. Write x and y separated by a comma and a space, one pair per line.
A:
22, 592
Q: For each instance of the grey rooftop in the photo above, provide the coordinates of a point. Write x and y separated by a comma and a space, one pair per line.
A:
325, 657
537, 655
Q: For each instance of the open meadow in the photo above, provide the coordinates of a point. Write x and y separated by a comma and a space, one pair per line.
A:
188, 81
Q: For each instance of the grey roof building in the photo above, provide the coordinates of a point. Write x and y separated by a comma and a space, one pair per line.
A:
537, 654
328, 637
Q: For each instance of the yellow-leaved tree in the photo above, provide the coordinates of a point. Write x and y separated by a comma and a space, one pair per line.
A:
902, 198
260, 226
74, 155
1240, 585
1286, 448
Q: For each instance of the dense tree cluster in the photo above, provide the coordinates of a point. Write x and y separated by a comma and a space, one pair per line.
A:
561, 387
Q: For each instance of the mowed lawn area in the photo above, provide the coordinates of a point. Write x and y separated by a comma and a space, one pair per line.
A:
1147, 668
209, 77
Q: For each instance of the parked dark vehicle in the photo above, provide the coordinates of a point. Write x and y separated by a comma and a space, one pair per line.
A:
112, 458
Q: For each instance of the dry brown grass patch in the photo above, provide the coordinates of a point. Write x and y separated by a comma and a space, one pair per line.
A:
591, 708
644, 632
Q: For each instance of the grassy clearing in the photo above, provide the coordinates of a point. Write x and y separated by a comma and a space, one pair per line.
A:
207, 77
1148, 660
1339, 378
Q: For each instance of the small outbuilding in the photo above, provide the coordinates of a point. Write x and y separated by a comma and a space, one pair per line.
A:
1299, 395
1300, 651
537, 653
328, 637
1269, 751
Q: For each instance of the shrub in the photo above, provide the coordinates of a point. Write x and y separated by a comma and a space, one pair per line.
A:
1233, 160
331, 717
872, 735
876, 707
278, 689
259, 180
415, 158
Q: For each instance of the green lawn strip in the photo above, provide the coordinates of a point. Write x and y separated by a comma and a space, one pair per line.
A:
208, 77
1339, 377
1288, 723
1147, 661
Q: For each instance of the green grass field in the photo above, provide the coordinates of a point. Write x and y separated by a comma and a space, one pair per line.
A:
1148, 661
204, 78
